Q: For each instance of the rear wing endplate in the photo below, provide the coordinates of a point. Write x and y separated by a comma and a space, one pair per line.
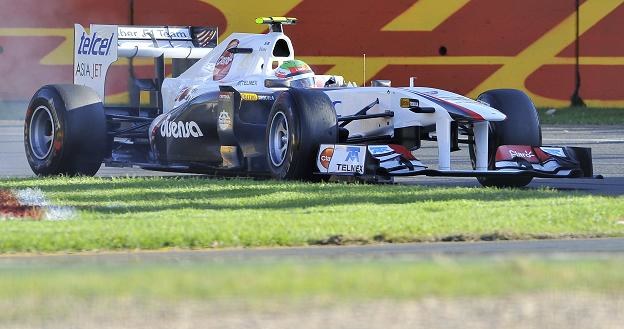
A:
94, 52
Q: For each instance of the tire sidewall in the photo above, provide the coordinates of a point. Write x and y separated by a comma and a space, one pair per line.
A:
53, 162
312, 121
522, 127
284, 104
80, 134
506, 132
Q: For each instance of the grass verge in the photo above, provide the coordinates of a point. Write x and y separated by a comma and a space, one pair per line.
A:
581, 116
324, 280
391, 293
154, 213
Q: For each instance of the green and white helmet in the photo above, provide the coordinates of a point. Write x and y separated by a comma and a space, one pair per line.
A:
298, 72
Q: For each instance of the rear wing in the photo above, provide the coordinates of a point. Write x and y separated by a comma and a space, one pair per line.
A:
94, 52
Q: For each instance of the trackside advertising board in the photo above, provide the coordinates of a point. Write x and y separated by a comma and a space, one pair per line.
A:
463, 46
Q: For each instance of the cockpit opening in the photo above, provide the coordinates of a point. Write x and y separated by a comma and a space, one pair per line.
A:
281, 49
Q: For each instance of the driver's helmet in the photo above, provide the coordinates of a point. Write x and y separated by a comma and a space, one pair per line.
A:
298, 72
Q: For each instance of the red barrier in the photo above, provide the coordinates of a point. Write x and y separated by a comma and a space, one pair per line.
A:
460, 45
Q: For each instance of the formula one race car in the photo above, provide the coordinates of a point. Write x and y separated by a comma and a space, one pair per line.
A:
246, 106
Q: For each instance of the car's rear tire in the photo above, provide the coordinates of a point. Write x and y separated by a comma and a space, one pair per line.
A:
65, 131
299, 122
522, 127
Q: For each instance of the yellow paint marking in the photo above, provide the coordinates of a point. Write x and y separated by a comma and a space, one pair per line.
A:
424, 60
63, 54
60, 55
32, 32
454, 60
515, 73
351, 68
241, 14
425, 15
598, 60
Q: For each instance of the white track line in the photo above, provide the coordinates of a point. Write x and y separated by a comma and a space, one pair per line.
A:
586, 140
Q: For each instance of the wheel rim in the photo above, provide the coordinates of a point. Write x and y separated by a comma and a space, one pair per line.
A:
41, 132
278, 139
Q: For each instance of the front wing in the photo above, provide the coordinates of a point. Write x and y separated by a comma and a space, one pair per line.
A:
385, 161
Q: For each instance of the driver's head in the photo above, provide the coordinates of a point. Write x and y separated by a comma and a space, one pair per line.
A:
298, 72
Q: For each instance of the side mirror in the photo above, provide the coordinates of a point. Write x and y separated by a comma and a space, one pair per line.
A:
330, 81
277, 83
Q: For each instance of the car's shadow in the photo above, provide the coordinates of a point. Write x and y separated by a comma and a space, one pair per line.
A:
153, 194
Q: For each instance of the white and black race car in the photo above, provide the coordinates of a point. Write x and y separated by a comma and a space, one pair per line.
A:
247, 106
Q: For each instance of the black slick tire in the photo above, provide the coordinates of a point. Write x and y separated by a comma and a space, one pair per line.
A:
300, 120
65, 131
522, 127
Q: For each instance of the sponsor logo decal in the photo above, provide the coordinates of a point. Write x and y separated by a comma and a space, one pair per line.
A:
95, 45
514, 152
352, 161
326, 156
341, 159
185, 94
93, 54
249, 97
266, 97
409, 102
247, 83
180, 129
224, 63
153, 32
521, 154
353, 154
88, 70
224, 121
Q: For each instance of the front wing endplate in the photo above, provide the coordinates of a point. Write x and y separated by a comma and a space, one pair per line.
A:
510, 160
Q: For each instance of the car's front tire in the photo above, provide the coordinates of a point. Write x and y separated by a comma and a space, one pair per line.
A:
299, 122
65, 131
522, 127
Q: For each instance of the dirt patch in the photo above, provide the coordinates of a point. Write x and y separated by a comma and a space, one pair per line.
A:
545, 310
10, 207
341, 240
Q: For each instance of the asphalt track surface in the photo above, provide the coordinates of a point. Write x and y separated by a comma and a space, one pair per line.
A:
607, 143
534, 248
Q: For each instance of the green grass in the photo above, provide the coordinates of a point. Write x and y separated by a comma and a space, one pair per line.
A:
155, 213
325, 280
173, 294
582, 116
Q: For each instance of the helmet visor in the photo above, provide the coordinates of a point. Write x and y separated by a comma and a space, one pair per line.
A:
302, 83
